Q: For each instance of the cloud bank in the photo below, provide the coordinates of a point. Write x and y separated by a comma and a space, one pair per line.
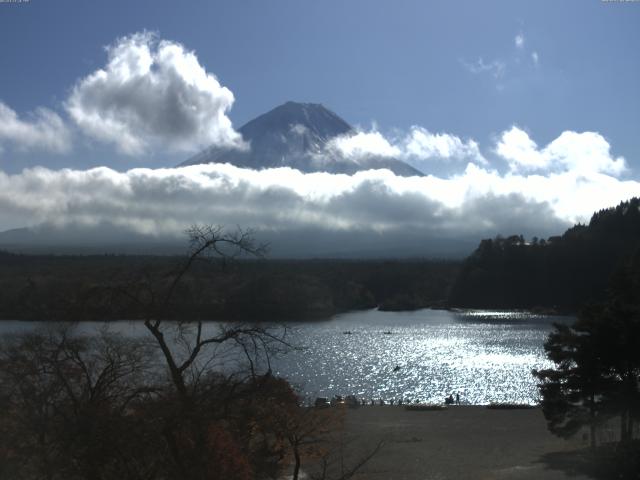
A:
315, 212
153, 94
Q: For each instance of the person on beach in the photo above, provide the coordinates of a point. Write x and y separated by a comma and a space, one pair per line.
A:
457, 399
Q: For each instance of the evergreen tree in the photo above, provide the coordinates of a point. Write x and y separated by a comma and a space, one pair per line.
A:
573, 392
621, 346
597, 363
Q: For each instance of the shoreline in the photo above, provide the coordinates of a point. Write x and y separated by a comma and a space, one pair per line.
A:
533, 311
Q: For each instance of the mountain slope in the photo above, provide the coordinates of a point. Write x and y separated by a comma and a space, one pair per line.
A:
295, 135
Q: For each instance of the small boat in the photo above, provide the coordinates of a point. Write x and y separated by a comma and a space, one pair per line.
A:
396, 368
388, 332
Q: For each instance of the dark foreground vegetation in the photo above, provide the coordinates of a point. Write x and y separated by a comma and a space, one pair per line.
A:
557, 274
595, 384
186, 401
110, 408
38, 287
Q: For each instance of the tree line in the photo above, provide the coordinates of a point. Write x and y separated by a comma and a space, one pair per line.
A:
39, 287
560, 273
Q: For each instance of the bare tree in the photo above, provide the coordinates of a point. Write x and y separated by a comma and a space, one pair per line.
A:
95, 408
181, 342
196, 354
67, 399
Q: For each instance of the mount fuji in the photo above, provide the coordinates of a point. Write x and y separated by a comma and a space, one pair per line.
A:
296, 135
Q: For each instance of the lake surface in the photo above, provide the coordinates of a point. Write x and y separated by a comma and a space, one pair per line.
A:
484, 356
423, 355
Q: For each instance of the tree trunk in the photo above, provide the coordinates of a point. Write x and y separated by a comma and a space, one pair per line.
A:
176, 375
624, 425
626, 414
296, 467
592, 423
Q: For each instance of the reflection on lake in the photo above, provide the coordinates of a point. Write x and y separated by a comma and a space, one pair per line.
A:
485, 356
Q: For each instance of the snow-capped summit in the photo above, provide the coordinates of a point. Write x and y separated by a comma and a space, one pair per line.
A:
295, 135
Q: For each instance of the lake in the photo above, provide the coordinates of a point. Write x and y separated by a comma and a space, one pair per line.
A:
423, 355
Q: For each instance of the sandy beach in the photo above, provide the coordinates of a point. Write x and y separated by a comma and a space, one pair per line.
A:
462, 442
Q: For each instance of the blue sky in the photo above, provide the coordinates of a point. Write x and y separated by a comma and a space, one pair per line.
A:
395, 63
525, 115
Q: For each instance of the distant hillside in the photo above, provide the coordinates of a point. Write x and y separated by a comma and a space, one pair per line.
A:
294, 135
80, 287
560, 273
106, 238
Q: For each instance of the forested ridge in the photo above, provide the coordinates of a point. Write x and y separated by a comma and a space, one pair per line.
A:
48, 287
559, 273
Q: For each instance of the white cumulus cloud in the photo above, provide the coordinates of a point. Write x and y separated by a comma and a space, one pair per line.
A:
519, 40
153, 93
582, 153
361, 145
43, 130
417, 147
422, 144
